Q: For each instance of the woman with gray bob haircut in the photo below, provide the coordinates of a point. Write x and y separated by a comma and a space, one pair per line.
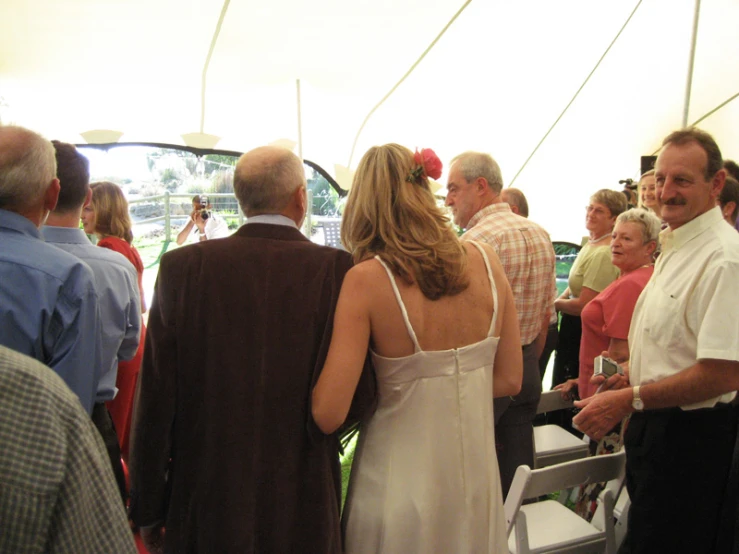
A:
606, 319
650, 223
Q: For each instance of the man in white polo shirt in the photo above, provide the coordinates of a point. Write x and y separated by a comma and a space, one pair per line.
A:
684, 363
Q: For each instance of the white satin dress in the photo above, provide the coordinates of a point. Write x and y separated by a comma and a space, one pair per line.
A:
425, 477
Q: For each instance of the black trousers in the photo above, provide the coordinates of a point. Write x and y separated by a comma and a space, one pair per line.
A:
677, 467
567, 355
566, 365
514, 417
549, 346
104, 423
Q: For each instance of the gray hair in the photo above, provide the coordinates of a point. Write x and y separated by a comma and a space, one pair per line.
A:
477, 164
27, 166
265, 178
650, 223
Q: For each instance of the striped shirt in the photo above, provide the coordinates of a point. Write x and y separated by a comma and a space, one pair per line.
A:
527, 255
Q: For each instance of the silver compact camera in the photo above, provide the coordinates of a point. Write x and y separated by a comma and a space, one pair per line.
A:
606, 366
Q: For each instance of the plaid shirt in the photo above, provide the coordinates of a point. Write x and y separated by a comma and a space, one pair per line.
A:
527, 255
57, 492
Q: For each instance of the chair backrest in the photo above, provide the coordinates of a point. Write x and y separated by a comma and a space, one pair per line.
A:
332, 234
552, 401
528, 483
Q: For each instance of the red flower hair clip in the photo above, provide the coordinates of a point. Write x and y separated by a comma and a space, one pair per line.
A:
428, 166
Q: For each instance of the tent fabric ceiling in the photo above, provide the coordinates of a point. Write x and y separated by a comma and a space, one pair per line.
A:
495, 81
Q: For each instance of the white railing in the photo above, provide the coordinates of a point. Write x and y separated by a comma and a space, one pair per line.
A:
167, 197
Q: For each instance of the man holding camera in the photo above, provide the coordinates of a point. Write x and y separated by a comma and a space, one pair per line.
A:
208, 223
684, 365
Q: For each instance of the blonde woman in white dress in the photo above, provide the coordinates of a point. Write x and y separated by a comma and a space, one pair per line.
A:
439, 319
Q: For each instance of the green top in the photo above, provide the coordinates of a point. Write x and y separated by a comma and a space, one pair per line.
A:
592, 269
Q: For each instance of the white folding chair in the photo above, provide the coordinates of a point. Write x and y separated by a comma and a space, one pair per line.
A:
552, 443
621, 507
548, 526
332, 234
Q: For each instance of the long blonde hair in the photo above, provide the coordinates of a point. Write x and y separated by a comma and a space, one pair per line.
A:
398, 220
111, 211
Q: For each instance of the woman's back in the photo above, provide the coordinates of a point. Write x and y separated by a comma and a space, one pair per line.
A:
443, 324
425, 477
443, 333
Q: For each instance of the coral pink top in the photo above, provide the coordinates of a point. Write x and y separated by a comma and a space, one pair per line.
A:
606, 317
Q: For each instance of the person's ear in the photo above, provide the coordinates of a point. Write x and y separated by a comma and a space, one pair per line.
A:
88, 198
302, 198
651, 247
729, 208
717, 183
51, 196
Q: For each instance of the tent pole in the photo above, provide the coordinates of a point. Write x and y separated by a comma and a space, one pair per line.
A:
300, 121
691, 61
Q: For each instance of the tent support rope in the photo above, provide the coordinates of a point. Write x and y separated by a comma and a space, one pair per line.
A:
707, 115
714, 110
392, 90
577, 93
213, 41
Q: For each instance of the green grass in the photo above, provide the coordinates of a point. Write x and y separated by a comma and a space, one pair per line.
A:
149, 248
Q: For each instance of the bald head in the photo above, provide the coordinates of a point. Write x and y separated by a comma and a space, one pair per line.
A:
266, 180
27, 168
516, 199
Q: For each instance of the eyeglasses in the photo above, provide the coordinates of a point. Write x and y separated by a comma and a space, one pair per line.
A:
597, 210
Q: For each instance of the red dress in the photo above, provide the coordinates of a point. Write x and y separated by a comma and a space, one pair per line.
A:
121, 407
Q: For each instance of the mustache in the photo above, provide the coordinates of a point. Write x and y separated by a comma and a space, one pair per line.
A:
674, 202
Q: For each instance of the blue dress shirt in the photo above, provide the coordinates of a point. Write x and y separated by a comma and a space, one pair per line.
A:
116, 284
48, 306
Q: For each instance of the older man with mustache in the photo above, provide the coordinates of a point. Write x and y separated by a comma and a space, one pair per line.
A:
684, 363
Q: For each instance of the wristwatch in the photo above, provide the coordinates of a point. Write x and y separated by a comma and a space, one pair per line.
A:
637, 402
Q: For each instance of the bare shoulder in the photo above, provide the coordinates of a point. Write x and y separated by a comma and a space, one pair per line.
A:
366, 274
489, 251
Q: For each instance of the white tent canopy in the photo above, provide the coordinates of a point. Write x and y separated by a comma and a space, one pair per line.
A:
496, 80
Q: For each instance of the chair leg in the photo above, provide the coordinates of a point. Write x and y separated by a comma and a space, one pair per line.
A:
522, 534
608, 504
622, 524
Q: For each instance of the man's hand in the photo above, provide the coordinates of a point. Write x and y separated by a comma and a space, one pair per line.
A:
199, 221
601, 412
153, 538
614, 382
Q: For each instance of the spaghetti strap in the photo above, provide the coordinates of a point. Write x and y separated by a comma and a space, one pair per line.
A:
493, 288
407, 321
